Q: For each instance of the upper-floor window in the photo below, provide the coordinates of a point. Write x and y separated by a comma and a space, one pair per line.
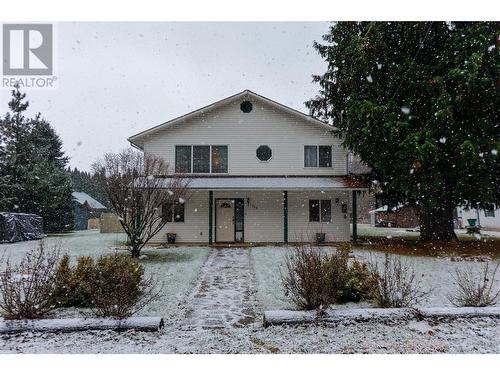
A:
201, 159
318, 156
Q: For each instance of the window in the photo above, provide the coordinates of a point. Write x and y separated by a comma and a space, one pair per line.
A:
219, 159
183, 159
246, 107
318, 156
490, 212
320, 210
172, 212
264, 153
201, 159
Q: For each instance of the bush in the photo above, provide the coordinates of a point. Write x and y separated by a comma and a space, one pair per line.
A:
316, 279
26, 289
72, 284
118, 287
395, 283
475, 289
307, 279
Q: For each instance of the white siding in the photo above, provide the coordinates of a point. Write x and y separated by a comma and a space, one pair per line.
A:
487, 222
264, 217
244, 132
299, 227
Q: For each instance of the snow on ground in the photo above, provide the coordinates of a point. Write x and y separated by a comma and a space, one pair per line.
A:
411, 233
196, 281
435, 274
175, 269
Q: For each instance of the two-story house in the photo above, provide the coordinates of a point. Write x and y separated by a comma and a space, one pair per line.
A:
261, 173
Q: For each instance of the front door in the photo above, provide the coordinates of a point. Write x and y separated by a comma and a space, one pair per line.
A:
225, 220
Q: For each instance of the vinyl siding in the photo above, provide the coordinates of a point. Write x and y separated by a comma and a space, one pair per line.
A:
244, 132
264, 217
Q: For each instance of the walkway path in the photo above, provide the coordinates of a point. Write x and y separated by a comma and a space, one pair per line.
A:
224, 294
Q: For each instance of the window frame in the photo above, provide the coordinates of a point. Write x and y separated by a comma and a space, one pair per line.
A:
192, 146
171, 217
264, 161
317, 156
320, 210
490, 212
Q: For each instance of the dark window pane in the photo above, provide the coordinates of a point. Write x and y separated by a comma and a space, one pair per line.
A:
219, 159
201, 159
179, 212
313, 210
326, 211
310, 156
183, 159
166, 212
264, 153
490, 212
325, 156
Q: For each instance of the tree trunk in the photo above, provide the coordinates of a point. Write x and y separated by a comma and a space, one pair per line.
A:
135, 250
436, 223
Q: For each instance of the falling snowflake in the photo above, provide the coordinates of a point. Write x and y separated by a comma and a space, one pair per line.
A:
369, 78
494, 152
379, 66
150, 177
181, 200
442, 139
491, 48
405, 110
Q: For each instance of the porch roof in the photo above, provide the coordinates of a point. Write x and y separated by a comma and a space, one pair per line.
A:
273, 183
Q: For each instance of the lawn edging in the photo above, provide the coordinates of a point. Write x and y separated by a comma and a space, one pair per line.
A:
294, 317
79, 324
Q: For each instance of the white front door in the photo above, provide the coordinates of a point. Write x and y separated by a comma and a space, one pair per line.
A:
225, 220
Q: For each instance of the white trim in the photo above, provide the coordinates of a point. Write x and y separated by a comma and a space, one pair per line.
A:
317, 156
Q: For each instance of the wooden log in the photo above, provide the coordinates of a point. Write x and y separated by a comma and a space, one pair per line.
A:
277, 317
80, 324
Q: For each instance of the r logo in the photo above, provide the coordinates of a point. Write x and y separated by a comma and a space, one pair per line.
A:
27, 49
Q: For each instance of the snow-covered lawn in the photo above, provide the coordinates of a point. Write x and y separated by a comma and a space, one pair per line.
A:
366, 230
436, 275
176, 269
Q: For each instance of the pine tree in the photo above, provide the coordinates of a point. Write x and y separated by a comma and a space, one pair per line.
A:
33, 175
420, 104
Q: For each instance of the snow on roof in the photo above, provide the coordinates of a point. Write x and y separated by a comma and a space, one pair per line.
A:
137, 139
270, 183
384, 209
82, 197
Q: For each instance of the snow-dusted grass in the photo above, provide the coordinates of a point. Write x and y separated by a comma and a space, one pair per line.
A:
435, 274
366, 230
176, 269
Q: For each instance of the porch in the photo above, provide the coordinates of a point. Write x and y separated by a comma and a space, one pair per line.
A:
263, 210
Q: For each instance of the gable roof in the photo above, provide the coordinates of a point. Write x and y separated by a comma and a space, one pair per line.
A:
137, 139
83, 198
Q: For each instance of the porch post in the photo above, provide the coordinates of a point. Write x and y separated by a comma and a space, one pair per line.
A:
354, 216
210, 215
285, 216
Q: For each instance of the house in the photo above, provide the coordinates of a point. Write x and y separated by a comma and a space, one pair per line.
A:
401, 216
261, 173
86, 211
488, 219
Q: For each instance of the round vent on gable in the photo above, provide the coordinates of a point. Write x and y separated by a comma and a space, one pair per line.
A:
264, 153
246, 106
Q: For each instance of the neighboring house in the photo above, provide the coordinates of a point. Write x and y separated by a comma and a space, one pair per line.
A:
261, 173
399, 217
366, 201
486, 219
86, 211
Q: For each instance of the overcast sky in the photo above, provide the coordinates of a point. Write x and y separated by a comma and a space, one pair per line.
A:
116, 79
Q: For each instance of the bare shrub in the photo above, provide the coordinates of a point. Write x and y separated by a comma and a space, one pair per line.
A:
307, 277
396, 283
315, 279
475, 288
119, 288
26, 289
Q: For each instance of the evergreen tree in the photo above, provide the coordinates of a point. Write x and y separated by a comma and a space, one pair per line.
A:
420, 104
32, 175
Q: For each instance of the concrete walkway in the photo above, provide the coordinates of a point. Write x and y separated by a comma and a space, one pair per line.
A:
224, 294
